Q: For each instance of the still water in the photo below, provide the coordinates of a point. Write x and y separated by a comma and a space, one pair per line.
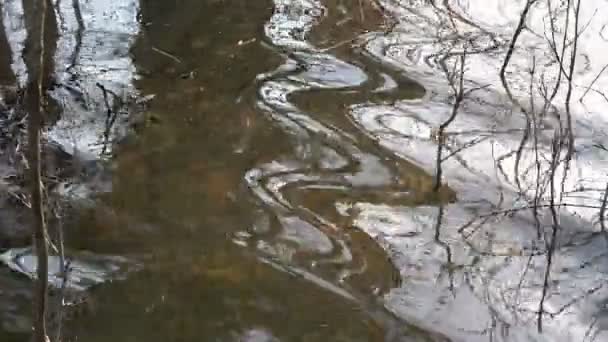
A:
227, 190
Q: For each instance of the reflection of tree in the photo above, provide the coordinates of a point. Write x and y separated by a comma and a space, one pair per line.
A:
563, 136
32, 55
39, 53
533, 165
78, 37
39, 48
449, 264
456, 81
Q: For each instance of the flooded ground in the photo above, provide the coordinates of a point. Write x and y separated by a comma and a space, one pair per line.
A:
262, 171
178, 196
220, 263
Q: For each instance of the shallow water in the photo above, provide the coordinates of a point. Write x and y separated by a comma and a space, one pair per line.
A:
225, 262
268, 166
195, 193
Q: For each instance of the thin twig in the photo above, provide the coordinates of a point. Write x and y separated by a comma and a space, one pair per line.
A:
166, 54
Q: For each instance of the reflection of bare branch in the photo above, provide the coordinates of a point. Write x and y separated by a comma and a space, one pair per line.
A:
593, 82
603, 212
545, 151
521, 280
539, 188
590, 333
553, 241
518, 30
575, 300
505, 84
464, 146
553, 43
448, 251
79, 33
111, 114
570, 76
459, 96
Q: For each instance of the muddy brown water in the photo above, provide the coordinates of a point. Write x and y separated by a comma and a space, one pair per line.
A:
179, 198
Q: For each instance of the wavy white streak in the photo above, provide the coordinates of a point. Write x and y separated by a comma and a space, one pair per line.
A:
315, 144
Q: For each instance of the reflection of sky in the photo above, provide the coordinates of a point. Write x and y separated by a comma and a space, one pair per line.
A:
96, 51
14, 25
108, 32
471, 277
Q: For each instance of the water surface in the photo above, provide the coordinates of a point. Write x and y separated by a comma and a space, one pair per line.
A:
233, 215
